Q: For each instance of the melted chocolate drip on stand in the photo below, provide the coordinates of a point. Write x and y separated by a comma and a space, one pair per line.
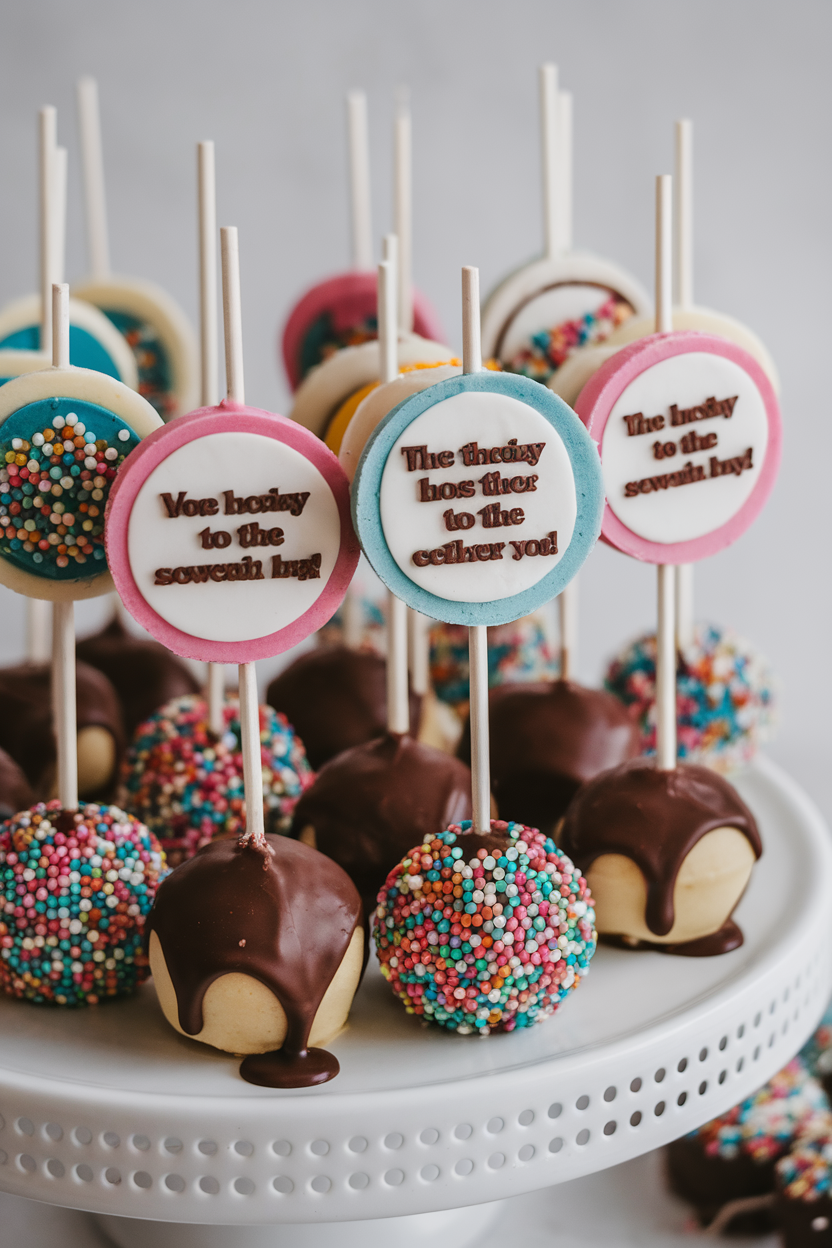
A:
727, 938
283, 916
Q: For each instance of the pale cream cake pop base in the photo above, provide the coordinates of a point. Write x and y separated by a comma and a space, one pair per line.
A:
710, 882
241, 1015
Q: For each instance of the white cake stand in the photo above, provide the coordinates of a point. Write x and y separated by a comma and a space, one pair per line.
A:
111, 1111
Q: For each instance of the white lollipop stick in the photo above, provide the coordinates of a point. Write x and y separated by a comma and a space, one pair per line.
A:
568, 613
666, 631
247, 672
398, 707
63, 613
59, 245
209, 388
403, 210
38, 640
360, 193
684, 299
47, 162
419, 629
565, 167
550, 163
477, 633
92, 163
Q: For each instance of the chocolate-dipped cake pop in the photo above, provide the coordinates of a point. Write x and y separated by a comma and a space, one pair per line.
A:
259, 950
186, 783
26, 727
334, 698
667, 854
369, 805
483, 932
546, 740
144, 673
804, 1187
15, 791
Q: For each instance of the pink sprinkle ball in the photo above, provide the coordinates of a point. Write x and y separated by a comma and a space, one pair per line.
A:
186, 783
485, 932
77, 886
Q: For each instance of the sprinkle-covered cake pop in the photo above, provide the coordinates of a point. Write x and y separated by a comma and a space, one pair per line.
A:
725, 696
77, 887
187, 785
334, 698
732, 1157
258, 950
517, 652
667, 854
483, 933
804, 1186
144, 674
15, 791
368, 805
546, 740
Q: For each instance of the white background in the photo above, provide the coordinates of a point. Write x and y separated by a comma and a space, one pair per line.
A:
266, 79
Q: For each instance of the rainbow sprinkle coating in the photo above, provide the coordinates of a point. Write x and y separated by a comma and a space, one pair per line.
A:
549, 348
763, 1126
187, 785
77, 888
517, 652
56, 473
805, 1173
725, 696
484, 933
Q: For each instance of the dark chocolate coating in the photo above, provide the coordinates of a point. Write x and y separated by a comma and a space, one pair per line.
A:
15, 792
26, 719
335, 698
284, 915
654, 818
709, 1183
144, 673
373, 803
546, 741
801, 1222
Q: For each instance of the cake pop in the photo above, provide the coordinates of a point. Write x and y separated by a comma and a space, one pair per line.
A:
548, 309
722, 1166
26, 727
144, 674
186, 784
78, 886
804, 1187
667, 854
148, 322
259, 951
484, 932
726, 697
546, 741
15, 791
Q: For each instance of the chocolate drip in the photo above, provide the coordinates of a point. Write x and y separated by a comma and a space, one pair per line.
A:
654, 818
727, 938
711, 1182
144, 674
26, 718
372, 804
335, 698
15, 793
546, 741
284, 916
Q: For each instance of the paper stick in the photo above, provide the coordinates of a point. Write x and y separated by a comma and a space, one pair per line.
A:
403, 209
92, 164
360, 192
549, 135
209, 355
565, 167
664, 254
666, 631
47, 162
684, 214
568, 613
471, 340
684, 606
247, 673
38, 631
419, 649
59, 244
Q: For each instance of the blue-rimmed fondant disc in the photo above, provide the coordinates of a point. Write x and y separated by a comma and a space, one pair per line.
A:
85, 351
477, 500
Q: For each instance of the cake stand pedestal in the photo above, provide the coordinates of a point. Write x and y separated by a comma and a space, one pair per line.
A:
111, 1111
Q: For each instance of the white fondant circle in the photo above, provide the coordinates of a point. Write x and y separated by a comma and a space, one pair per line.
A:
668, 513
246, 464
491, 419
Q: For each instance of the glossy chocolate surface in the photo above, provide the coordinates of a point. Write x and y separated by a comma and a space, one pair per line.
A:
15, 791
283, 915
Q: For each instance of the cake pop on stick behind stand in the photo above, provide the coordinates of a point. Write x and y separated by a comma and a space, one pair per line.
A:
669, 847
283, 954
369, 804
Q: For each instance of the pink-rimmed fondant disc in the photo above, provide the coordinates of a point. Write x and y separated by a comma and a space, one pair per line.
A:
339, 312
229, 537
688, 427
